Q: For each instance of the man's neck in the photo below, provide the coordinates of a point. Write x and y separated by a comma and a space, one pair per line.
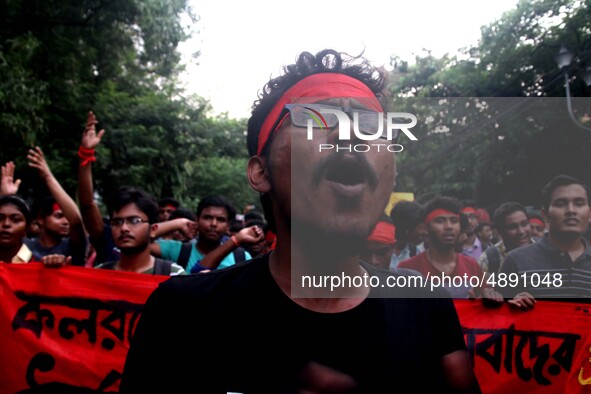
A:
205, 246
290, 264
469, 242
139, 262
48, 240
572, 244
443, 260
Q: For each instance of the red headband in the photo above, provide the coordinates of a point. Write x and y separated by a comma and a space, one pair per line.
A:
55, 207
468, 210
318, 86
170, 207
482, 215
536, 221
439, 212
384, 233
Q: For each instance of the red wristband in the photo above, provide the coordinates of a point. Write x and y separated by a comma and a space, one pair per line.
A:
233, 238
86, 155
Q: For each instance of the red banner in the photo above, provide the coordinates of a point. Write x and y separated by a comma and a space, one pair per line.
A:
68, 330
537, 351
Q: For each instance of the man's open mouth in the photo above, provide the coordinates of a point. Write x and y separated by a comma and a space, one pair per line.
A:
346, 172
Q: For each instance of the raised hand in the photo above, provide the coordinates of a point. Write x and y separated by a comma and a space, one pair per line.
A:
37, 160
8, 185
90, 138
189, 229
250, 235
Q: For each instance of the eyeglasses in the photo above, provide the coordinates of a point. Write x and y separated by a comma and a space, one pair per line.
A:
130, 221
367, 122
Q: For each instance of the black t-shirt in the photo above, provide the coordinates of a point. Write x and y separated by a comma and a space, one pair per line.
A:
234, 330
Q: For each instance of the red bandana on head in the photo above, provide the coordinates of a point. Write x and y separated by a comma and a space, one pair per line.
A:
439, 212
318, 86
536, 221
468, 210
383, 233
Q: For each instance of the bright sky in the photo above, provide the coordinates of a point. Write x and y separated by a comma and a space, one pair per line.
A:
244, 43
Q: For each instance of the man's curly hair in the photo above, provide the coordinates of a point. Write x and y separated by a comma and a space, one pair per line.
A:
325, 61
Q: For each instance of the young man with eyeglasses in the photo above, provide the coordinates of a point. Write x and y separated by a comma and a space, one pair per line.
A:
134, 215
260, 329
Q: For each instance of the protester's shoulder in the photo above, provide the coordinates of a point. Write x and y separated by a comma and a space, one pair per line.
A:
229, 279
524, 257
483, 259
411, 262
524, 251
175, 269
31, 242
467, 260
378, 271
168, 242
465, 257
247, 255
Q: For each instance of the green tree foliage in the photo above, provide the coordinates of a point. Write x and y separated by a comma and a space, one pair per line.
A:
490, 136
60, 59
222, 175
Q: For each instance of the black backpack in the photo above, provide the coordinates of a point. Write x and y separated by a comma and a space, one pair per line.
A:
185, 253
162, 267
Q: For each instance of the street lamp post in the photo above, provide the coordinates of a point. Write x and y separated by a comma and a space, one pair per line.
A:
564, 58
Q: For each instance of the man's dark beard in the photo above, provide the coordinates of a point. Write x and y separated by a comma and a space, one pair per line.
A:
133, 250
211, 243
330, 244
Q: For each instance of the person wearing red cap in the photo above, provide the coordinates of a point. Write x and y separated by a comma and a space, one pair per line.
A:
380, 244
274, 333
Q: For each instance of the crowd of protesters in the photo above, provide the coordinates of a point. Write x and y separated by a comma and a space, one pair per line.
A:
142, 234
545, 253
